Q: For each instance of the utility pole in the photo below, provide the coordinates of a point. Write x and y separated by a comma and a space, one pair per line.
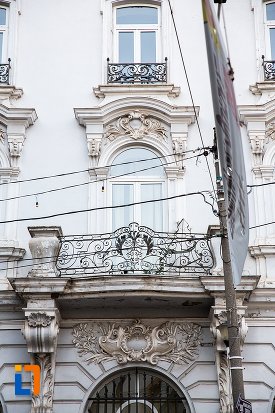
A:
235, 357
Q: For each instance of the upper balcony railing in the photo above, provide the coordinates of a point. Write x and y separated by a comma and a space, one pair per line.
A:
147, 73
5, 72
135, 250
269, 69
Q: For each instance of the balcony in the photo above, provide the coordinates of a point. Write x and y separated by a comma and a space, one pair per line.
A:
269, 69
4, 72
135, 250
140, 73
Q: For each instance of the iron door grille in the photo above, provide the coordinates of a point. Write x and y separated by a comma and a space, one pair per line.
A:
137, 391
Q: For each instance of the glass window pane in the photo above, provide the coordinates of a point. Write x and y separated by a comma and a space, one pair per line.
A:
122, 194
148, 47
1, 47
126, 47
272, 43
2, 16
137, 15
138, 158
152, 213
270, 11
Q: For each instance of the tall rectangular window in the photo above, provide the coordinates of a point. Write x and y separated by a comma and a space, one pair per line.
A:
3, 34
137, 34
270, 30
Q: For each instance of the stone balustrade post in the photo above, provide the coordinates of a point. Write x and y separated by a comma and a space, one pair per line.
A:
44, 246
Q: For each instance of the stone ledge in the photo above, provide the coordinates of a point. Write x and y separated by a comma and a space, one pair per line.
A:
260, 87
9, 250
10, 92
137, 89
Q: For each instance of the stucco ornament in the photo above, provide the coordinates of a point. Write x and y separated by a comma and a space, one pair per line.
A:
39, 319
136, 125
135, 341
43, 402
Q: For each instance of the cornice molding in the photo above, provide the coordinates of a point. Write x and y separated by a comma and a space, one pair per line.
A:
169, 90
26, 117
9, 250
10, 92
262, 87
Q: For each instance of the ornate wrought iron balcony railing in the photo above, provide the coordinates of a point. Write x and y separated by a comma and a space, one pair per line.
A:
269, 69
137, 72
5, 72
135, 250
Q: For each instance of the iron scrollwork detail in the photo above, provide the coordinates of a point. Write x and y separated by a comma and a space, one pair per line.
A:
269, 69
170, 341
135, 250
4, 72
137, 72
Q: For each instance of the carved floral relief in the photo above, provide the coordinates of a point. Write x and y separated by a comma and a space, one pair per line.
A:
136, 125
137, 341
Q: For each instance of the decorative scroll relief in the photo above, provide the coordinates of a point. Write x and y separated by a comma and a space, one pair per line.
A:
43, 402
136, 125
170, 341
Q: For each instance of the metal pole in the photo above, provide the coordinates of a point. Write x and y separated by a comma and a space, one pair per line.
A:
230, 295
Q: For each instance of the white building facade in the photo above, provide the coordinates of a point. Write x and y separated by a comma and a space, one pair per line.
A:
123, 308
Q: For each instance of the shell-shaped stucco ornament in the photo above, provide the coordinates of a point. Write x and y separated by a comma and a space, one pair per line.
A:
39, 320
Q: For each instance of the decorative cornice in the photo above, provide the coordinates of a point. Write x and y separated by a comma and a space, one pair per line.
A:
215, 284
97, 116
10, 92
262, 87
169, 90
26, 117
263, 250
9, 250
138, 342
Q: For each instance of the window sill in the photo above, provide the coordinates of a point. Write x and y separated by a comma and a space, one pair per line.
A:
10, 92
137, 89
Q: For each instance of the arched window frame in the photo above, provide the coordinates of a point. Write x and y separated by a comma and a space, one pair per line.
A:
137, 181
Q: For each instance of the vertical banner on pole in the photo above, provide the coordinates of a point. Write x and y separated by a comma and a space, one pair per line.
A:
229, 142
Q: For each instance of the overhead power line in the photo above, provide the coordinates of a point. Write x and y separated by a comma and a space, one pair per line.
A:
95, 180
191, 94
105, 166
262, 225
108, 207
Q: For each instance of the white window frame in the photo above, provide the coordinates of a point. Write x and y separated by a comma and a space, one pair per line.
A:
136, 29
136, 181
269, 24
5, 30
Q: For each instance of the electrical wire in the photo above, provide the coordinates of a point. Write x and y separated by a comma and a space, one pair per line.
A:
257, 185
262, 225
99, 167
103, 208
191, 95
94, 181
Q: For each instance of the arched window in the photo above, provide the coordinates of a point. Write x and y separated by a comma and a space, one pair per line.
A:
270, 29
137, 181
137, 34
137, 391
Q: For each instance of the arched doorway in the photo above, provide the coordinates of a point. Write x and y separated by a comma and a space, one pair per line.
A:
137, 391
